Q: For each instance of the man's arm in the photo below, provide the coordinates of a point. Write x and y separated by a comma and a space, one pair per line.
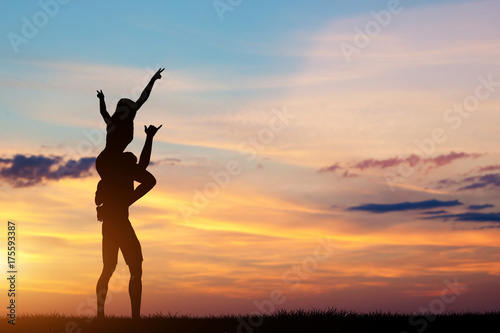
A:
102, 106
147, 182
147, 91
148, 145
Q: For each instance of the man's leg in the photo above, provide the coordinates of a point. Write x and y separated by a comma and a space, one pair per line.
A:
110, 259
102, 288
132, 252
135, 288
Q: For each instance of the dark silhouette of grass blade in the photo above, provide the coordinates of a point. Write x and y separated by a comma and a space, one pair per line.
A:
297, 320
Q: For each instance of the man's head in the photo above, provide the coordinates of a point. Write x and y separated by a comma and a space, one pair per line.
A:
129, 158
123, 164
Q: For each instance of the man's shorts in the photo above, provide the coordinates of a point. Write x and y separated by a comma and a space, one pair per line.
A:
120, 236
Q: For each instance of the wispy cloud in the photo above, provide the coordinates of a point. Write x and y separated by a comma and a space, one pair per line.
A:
413, 160
488, 168
24, 170
491, 180
386, 163
403, 206
434, 212
438, 161
166, 161
344, 173
469, 217
331, 168
479, 207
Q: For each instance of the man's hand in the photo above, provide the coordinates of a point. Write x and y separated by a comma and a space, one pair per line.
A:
157, 75
100, 95
147, 182
151, 130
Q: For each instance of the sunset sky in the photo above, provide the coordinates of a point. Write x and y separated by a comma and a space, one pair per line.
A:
343, 153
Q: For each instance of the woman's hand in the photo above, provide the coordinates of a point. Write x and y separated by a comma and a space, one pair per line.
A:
157, 75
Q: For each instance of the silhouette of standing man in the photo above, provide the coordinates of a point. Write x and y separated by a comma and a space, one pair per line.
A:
116, 192
114, 196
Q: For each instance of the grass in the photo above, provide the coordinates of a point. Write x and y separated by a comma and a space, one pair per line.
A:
329, 320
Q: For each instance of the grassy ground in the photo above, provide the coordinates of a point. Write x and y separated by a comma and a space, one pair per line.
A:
330, 320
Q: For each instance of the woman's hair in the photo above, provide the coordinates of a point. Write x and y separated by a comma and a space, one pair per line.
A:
125, 102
